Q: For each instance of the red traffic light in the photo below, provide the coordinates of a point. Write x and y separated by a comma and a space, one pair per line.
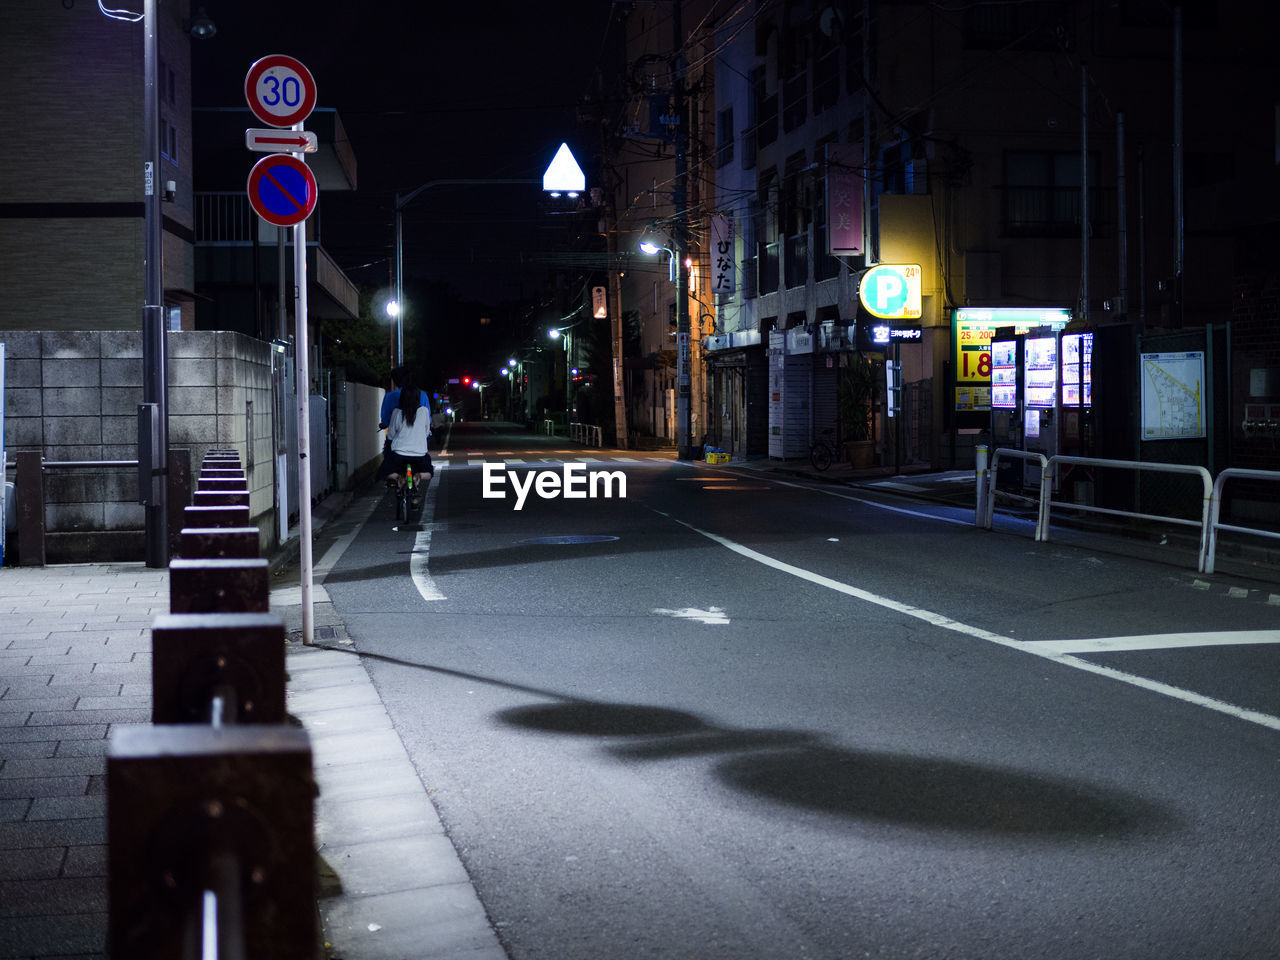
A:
466, 381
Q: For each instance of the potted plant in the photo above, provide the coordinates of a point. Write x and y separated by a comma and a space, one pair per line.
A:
854, 399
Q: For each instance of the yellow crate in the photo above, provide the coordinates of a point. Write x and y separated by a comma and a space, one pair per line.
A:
717, 458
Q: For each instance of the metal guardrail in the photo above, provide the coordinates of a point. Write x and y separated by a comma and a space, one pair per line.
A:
1215, 511
549, 427
1211, 501
987, 490
587, 434
1046, 481
29, 494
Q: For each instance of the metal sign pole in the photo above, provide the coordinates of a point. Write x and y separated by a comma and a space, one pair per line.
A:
3, 474
155, 373
303, 394
281, 92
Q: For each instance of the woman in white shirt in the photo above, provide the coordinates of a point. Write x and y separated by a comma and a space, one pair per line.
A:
408, 431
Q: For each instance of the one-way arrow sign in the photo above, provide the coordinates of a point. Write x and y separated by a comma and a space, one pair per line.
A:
280, 141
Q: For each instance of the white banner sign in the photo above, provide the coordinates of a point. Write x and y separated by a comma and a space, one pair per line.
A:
722, 264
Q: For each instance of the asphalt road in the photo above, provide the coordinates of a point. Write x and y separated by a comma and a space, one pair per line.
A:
732, 715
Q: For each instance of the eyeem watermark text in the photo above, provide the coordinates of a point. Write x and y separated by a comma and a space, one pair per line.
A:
571, 481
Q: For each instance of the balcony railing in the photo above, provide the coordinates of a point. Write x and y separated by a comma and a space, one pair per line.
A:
224, 218
825, 266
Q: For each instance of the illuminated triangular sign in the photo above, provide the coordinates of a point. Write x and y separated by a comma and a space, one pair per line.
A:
564, 175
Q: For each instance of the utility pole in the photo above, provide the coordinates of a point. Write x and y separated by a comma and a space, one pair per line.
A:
1179, 218
684, 440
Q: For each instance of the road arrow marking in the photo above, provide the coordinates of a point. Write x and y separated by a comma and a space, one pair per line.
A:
710, 615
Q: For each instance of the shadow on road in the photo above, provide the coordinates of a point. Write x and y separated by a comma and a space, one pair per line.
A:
799, 769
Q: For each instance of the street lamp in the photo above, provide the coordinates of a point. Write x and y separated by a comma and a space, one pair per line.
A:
566, 334
562, 176
678, 271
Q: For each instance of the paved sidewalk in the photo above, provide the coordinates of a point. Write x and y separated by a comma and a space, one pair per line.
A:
75, 661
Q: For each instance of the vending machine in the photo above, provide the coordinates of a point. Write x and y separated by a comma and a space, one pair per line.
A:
1006, 405
1040, 397
1076, 404
1077, 392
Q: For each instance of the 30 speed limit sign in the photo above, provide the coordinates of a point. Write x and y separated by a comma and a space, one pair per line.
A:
280, 90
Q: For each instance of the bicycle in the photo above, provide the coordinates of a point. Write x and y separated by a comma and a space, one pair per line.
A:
822, 451
403, 493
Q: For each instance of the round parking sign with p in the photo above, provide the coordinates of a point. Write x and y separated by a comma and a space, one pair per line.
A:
282, 190
891, 291
280, 90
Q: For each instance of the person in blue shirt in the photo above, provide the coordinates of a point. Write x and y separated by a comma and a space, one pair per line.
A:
392, 398
408, 431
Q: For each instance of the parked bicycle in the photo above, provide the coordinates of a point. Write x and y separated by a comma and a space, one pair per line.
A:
823, 450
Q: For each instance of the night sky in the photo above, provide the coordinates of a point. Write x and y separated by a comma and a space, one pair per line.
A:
426, 91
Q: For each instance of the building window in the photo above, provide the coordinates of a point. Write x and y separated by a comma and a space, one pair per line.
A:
764, 108
898, 168
1042, 194
167, 84
1017, 26
168, 142
768, 265
797, 259
724, 137
826, 80
796, 103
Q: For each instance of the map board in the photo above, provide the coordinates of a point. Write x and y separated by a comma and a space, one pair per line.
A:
1172, 395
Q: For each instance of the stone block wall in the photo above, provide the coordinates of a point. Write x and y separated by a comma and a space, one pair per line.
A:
73, 396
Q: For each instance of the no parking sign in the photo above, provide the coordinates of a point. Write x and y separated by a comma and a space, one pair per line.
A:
282, 190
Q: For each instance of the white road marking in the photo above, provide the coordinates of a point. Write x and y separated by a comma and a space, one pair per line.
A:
710, 615
844, 496
1158, 641
946, 623
421, 556
292, 596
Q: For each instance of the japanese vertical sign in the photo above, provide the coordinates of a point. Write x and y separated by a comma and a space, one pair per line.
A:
844, 200
722, 264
